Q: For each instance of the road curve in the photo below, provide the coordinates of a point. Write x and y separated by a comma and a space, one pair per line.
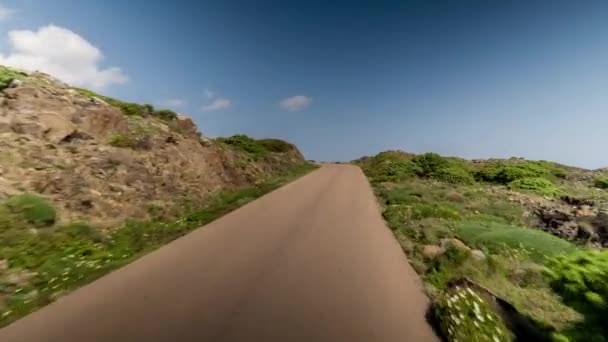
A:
312, 261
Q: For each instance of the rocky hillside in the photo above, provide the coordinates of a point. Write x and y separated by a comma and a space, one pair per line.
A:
101, 160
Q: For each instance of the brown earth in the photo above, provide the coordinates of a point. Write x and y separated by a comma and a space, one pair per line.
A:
62, 144
312, 261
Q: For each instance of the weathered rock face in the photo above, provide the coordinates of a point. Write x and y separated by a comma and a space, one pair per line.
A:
574, 219
65, 146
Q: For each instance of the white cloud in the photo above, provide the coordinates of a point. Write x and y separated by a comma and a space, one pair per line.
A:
209, 93
217, 104
296, 103
6, 12
63, 54
173, 102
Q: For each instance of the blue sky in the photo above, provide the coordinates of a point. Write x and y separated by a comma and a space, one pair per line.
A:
475, 79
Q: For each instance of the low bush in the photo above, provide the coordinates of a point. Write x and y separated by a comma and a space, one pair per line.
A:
392, 170
275, 145
257, 149
601, 182
454, 175
165, 114
537, 185
506, 171
33, 209
450, 170
430, 164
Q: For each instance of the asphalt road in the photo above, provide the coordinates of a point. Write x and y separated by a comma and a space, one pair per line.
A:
312, 261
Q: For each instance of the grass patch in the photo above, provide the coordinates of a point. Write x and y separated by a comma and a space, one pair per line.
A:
69, 256
496, 236
33, 209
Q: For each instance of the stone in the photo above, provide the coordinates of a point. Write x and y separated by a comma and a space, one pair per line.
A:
478, 255
15, 83
454, 196
445, 243
432, 251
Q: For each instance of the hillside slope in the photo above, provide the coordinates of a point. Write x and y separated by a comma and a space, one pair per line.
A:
103, 160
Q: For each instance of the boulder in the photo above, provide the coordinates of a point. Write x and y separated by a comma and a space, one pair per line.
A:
478, 255
447, 242
430, 252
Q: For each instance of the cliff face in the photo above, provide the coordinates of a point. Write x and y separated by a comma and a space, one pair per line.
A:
102, 160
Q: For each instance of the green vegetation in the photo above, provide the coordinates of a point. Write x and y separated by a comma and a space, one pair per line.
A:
496, 236
582, 281
464, 316
32, 209
450, 170
473, 227
507, 171
132, 109
256, 149
7, 75
45, 264
538, 185
138, 137
601, 182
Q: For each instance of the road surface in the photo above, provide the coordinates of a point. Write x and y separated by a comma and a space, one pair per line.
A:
312, 261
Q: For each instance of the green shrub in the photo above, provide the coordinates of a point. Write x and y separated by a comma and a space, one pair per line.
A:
450, 170
165, 114
7, 75
33, 209
454, 175
121, 140
462, 315
505, 172
581, 279
601, 182
430, 164
392, 170
496, 236
275, 145
257, 149
538, 185
136, 141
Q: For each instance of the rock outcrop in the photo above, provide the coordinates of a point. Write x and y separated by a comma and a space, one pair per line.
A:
100, 165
